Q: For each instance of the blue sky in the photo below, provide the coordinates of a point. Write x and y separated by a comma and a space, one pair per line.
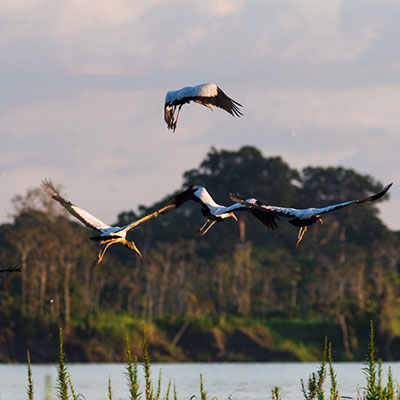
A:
83, 85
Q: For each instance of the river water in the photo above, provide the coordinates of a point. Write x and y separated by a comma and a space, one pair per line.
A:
239, 381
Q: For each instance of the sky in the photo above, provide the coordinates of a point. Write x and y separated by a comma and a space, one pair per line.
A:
83, 84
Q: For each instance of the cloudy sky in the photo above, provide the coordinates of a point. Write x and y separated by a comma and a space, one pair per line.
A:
83, 85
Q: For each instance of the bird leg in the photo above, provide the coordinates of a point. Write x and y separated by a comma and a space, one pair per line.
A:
176, 119
101, 254
203, 230
203, 226
302, 231
203, 104
208, 228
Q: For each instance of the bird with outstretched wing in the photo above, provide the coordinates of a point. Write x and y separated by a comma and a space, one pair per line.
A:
206, 94
108, 235
302, 218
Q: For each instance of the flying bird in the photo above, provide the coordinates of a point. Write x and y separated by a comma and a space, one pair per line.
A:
108, 234
215, 212
12, 268
206, 94
302, 218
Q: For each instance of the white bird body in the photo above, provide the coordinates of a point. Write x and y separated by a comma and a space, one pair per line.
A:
215, 212
206, 94
108, 234
203, 90
302, 218
215, 209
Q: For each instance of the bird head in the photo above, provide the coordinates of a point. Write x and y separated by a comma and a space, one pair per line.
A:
131, 245
169, 115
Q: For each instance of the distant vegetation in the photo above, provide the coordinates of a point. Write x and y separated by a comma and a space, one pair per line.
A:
313, 389
241, 292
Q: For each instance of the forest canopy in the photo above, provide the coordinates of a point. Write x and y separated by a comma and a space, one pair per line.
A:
345, 271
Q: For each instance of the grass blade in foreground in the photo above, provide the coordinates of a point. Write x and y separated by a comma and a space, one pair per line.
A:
30, 380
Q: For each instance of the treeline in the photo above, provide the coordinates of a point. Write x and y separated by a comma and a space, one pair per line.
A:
344, 272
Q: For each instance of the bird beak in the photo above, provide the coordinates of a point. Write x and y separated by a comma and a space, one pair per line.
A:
233, 216
320, 220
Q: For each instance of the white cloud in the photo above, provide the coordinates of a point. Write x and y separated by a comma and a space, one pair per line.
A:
367, 108
219, 8
83, 84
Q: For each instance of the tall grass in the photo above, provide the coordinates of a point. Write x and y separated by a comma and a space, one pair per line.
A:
29, 390
62, 380
375, 389
313, 389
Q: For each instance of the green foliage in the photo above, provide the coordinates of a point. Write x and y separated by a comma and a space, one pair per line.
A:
131, 373
175, 393
322, 373
110, 396
62, 380
342, 273
334, 393
389, 392
276, 393
158, 393
146, 367
166, 397
370, 370
203, 394
30, 379
310, 391
74, 395
314, 388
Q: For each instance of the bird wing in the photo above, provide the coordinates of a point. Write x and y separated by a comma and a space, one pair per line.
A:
268, 217
183, 197
12, 268
173, 203
154, 214
207, 93
306, 212
85, 217
226, 103
373, 197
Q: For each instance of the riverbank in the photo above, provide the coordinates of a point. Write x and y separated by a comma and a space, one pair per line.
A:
101, 338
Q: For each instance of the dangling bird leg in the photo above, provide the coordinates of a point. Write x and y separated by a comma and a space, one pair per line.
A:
101, 254
203, 232
203, 104
203, 226
176, 119
302, 231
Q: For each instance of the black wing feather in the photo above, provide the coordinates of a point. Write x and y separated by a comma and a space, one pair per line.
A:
226, 103
12, 268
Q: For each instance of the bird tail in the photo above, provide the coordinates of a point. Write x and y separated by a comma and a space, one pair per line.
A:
377, 195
